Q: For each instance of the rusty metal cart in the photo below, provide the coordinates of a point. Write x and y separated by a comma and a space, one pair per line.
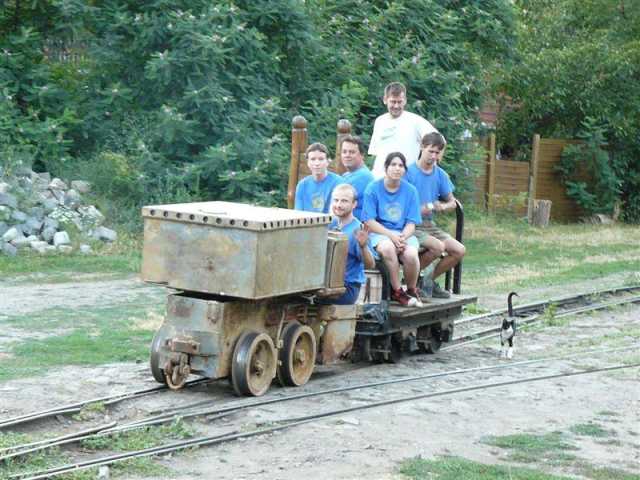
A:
245, 277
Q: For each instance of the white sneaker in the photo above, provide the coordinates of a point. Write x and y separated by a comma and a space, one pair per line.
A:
510, 353
503, 353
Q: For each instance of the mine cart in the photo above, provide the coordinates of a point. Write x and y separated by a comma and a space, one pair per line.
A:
246, 280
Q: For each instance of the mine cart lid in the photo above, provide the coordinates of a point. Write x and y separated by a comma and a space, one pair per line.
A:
236, 215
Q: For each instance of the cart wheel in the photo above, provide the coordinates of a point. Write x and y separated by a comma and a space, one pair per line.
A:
297, 355
154, 360
254, 364
395, 351
432, 345
361, 350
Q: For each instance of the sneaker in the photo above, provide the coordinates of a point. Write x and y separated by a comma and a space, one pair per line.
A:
438, 292
402, 298
414, 293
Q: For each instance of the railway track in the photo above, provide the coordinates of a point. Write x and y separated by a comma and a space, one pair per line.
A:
217, 412
291, 422
528, 313
469, 330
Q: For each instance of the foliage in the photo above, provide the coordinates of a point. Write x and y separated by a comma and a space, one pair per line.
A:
165, 100
578, 61
158, 101
587, 171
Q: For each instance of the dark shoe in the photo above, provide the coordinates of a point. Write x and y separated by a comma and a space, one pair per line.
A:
431, 289
438, 292
414, 293
402, 298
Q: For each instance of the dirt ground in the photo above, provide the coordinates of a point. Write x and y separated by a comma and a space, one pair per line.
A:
371, 443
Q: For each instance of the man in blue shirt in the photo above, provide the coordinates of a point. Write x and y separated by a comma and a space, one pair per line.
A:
436, 195
357, 174
391, 211
313, 193
343, 202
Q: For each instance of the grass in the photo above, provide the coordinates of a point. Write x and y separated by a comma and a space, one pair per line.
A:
456, 468
122, 442
83, 336
140, 439
551, 448
591, 430
123, 257
505, 254
605, 473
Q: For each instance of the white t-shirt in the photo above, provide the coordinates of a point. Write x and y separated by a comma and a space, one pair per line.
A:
402, 134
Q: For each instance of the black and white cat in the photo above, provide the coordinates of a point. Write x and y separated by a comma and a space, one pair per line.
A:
508, 331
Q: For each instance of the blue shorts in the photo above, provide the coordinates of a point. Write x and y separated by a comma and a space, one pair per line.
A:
349, 297
376, 238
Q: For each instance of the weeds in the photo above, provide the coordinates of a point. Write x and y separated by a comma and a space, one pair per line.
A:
456, 468
549, 317
528, 448
139, 439
591, 430
474, 309
90, 411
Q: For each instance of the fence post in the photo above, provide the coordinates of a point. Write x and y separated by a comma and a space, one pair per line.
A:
533, 175
299, 141
491, 172
342, 130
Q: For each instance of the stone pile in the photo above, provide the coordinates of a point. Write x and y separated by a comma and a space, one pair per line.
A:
38, 213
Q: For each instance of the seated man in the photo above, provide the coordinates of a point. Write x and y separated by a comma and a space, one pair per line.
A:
436, 195
357, 174
343, 202
391, 211
313, 193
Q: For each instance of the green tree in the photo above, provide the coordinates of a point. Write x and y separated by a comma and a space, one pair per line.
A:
579, 60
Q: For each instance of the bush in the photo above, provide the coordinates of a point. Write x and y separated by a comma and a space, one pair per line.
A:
588, 172
193, 99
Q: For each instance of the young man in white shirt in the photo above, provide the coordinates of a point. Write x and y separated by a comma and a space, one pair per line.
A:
397, 130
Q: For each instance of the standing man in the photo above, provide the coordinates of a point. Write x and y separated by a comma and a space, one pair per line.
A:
313, 193
397, 130
358, 174
435, 192
343, 202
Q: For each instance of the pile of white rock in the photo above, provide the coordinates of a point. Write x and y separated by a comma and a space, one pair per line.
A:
38, 212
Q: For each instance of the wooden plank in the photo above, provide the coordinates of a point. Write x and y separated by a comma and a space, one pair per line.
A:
299, 141
491, 173
533, 174
434, 305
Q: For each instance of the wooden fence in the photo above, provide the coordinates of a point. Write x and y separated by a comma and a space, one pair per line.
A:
511, 185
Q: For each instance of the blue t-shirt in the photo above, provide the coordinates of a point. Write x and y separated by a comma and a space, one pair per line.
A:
354, 270
359, 179
392, 210
431, 187
312, 196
